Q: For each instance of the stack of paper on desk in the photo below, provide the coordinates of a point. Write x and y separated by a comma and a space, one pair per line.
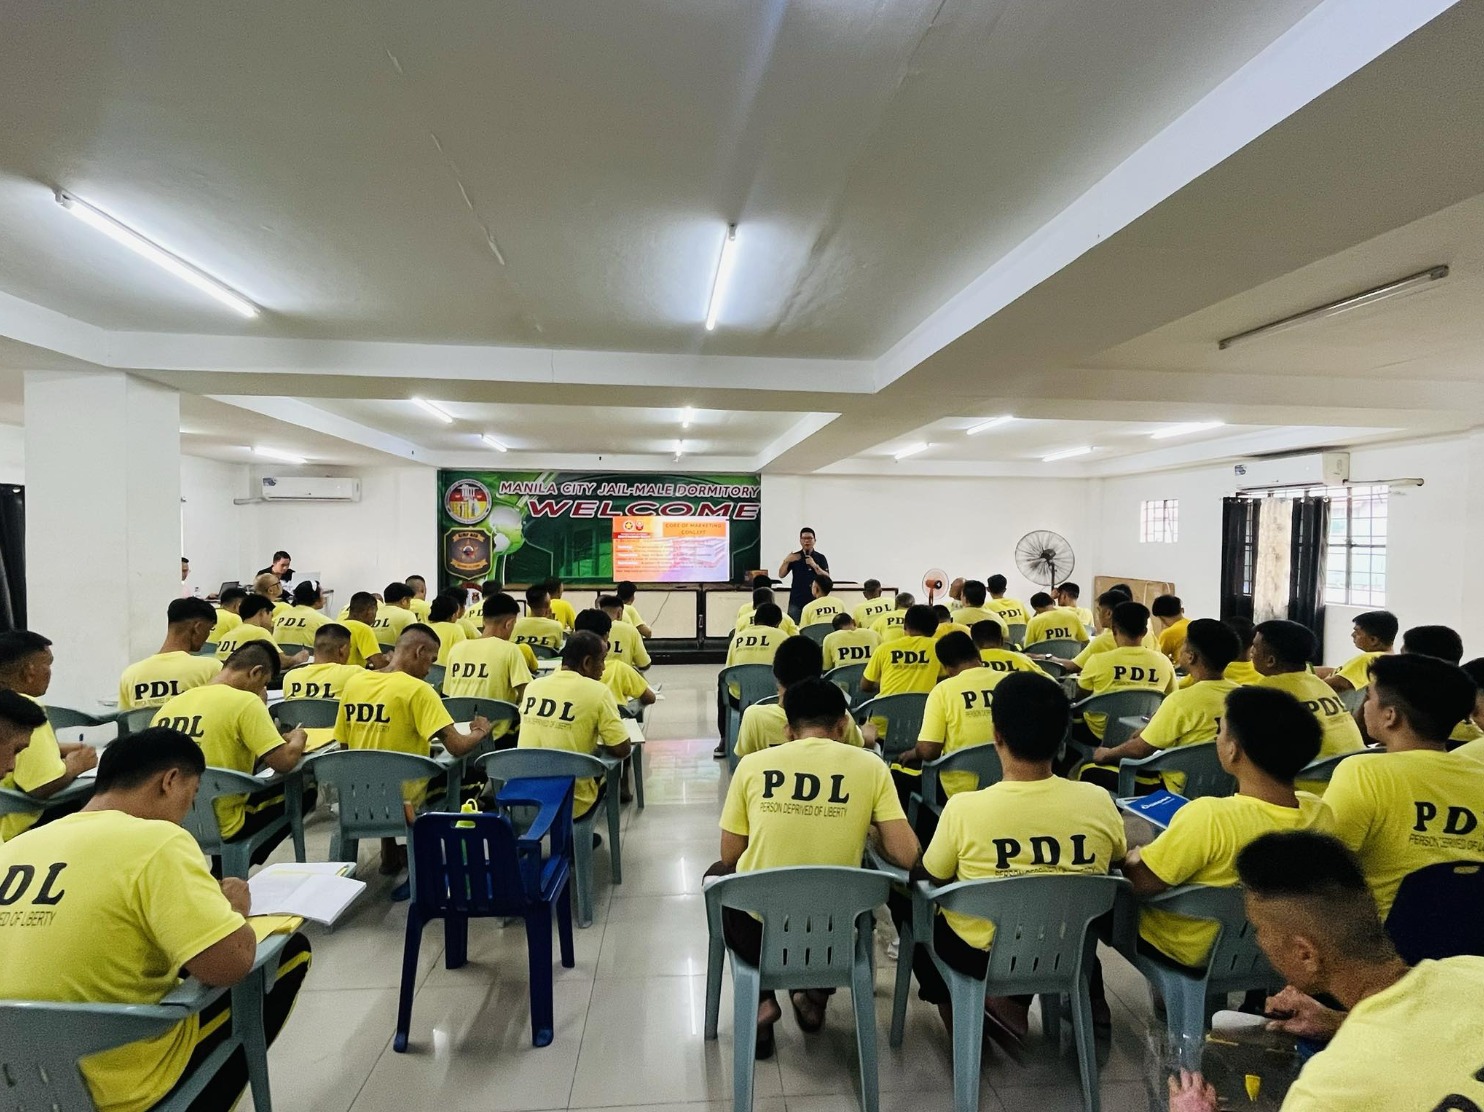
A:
311, 890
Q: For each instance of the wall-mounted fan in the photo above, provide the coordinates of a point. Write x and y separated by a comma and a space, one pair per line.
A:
1044, 557
934, 583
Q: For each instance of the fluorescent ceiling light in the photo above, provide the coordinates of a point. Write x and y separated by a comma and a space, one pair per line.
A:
993, 422
128, 237
1334, 308
1067, 453
724, 267
679, 449
687, 415
493, 443
1185, 430
442, 414
281, 457
911, 450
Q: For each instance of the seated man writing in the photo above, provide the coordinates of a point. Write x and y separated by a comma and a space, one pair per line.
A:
766, 724
115, 901
758, 833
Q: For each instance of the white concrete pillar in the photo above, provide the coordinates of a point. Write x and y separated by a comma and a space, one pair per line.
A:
102, 523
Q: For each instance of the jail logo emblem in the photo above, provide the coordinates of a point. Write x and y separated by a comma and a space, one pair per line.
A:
467, 552
468, 502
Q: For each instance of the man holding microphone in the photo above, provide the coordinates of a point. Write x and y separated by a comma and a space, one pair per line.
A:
804, 565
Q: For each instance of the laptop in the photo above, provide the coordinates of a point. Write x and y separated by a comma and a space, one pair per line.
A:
227, 586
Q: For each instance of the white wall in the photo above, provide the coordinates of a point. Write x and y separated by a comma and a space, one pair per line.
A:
896, 529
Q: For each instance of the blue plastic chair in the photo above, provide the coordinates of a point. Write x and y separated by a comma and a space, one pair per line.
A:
982, 760
903, 714
41, 1043
756, 683
474, 866
817, 632
236, 855
817, 930
368, 785
847, 678
530, 763
1199, 762
1043, 944
1439, 912
1236, 963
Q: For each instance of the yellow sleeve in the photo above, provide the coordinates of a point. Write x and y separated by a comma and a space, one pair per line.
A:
941, 856
1357, 670
183, 906
126, 701
749, 736
1092, 676
40, 762
734, 810
1353, 802
1187, 847
731, 653
257, 730
429, 715
529, 655
934, 718
874, 665
520, 674
641, 654
631, 684
886, 807
611, 730
1084, 656
1165, 726
365, 641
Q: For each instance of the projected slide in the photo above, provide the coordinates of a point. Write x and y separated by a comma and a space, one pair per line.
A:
671, 549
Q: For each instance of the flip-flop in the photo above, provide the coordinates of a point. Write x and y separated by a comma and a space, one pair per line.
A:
806, 1025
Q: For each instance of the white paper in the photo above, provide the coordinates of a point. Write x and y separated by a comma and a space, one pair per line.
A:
330, 868
636, 731
320, 896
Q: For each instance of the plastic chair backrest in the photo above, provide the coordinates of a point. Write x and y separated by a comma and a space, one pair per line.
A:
817, 632
435, 676
368, 784
385, 648
1324, 769
1200, 764
201, 820
1439, 912
512, 764
132, 721
471, 864
65, 718
1352, 699
1015, 634
465, 708
810, 916
1120, 704
903, 714
754, 681
208, 649
310, 713
1235, 957
1041, 920
1066, 650
982, 760
847, 678
41, 1043
544, 652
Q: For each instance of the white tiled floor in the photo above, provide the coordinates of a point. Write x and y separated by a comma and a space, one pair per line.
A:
629, 1015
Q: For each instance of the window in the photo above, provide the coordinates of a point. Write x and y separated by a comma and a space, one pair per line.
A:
1159, 521
1355, 560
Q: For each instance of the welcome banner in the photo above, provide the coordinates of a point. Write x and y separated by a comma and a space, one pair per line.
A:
523, 526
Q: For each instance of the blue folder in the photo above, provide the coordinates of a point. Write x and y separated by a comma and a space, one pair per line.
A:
1156, 807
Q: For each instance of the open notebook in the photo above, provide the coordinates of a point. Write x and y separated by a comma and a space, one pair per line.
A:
311, 890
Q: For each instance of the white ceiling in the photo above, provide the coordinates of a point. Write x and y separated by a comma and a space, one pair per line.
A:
947, 209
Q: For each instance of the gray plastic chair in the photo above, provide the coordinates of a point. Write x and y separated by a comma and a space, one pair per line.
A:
368, 785
313, 714
1064, 649
1116, 705
817, 632
1043, 944
545, 652
132, 721
982, 760
903, 714
465, 708
385, 648
1015, 634
847, 678
208, 649
756, 683
1236, 963
65, 718
1324, 768
435, 676
236, 855
1202, 768
514, 764
817, 931
1352, 699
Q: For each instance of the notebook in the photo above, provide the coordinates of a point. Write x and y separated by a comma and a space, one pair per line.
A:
311, 890
1157, 808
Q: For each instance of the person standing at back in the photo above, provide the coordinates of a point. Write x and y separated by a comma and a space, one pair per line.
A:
803, 566
1281, 651
176, 667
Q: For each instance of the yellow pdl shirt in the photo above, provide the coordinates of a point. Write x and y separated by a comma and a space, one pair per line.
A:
744, 620
890, 626
809, 802
1188, 716
390, 710
957, 715
225, 622
471, 627
317, 681
233, 728
37, 765
755, 645
1473, 750
114, 908
295, 629
1124, 668
966, 616
1012, 610
1023, 826
904, 664
1055, 625
631, 615
155, 679
765, 725
1201, 847
390, 622
1413, 1047
1172, 638
486, 668
1465, 732
240, 636
1241, 672
420, 608
872, 608
849, 646
1005, 661
625, 644
946, 628
449, 635
1338, 731
566, 710
1355, 669
1404, 811
562, 611
1084, 615
822, 609
538, 631
623, 680
363, 643
1105, 642
280, 606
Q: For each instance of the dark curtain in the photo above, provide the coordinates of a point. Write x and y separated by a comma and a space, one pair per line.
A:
1238, 555
1308, 549
12, 557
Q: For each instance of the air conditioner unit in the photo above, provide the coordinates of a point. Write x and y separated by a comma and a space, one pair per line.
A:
311, 488
1308, 469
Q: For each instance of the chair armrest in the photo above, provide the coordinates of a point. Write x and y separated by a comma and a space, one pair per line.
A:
876, 861
1194, 900
192, 995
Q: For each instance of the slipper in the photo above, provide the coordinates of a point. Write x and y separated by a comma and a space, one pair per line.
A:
808, 1026
764, 1049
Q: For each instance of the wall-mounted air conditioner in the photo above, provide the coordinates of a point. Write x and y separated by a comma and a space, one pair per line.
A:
311, 488
1311, 469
